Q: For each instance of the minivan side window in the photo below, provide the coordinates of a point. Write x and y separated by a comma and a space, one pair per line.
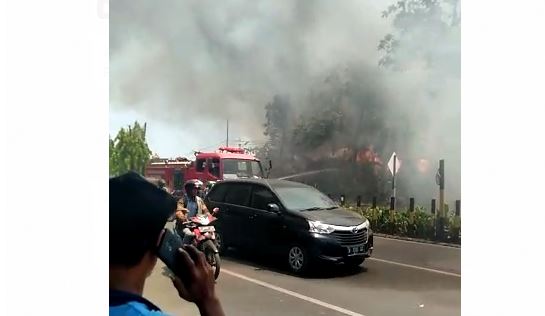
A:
218, 193
238, 194
261, 197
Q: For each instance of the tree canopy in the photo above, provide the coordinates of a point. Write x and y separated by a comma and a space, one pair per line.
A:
129, 150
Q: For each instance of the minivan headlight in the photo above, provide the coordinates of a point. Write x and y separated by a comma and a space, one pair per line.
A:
365, 224
320, 228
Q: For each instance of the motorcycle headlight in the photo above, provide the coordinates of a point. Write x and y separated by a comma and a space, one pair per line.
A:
320, 228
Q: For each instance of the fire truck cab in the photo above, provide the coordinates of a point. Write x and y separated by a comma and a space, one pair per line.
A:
225, 163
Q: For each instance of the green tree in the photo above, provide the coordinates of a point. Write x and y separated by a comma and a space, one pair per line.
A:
422, 31
129, 150
425, 36
313, 132
277, 127
112, 160
347, 111
425, 41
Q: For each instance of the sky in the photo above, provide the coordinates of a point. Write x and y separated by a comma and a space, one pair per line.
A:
171, 139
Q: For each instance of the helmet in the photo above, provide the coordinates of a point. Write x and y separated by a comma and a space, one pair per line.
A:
191, 184
161, 183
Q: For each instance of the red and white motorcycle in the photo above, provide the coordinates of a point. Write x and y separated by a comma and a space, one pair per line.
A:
204, 238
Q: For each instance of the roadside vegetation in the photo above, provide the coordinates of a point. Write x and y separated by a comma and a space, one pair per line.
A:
417, 224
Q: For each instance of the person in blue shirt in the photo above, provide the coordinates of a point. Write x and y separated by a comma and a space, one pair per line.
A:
139, 211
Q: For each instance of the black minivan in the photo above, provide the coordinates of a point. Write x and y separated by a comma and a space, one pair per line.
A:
289, 219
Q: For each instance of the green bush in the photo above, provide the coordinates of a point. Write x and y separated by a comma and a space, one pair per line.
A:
417, 224
454, 227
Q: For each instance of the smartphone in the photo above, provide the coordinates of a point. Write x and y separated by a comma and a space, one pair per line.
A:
168, 250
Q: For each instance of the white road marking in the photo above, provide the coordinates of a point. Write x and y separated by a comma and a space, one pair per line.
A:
294, 294
416, 267
418, 243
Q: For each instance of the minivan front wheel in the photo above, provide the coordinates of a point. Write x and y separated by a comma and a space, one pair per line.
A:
298, 259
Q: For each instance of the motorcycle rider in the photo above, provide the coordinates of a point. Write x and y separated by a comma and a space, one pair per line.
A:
162, 185
190, 205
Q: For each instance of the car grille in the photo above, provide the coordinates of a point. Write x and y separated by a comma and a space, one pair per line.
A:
350, 238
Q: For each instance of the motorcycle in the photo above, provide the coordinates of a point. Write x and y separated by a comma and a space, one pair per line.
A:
204, 238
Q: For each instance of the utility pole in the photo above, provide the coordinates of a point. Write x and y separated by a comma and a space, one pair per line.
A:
394, 179
440, 179
442, 187
227, 139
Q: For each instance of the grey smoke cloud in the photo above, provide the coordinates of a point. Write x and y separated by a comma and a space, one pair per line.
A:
213, 60
201, 62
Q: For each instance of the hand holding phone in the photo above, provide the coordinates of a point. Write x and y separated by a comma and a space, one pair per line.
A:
196, 283
193, 276
167, 251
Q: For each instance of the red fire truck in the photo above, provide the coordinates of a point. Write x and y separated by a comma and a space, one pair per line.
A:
225, 163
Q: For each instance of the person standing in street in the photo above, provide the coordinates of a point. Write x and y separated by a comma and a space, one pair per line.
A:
138, 213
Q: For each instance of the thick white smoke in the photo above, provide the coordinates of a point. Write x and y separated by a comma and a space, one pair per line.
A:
201, 62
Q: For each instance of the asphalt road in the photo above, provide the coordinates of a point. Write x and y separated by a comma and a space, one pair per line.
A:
402, 278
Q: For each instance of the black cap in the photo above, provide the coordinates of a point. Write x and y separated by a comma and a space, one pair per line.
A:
139, 211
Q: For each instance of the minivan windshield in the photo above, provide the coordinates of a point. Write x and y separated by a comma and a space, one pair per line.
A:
304, 199
240, 168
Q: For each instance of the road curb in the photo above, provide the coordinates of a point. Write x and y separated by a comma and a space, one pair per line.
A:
423, 241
